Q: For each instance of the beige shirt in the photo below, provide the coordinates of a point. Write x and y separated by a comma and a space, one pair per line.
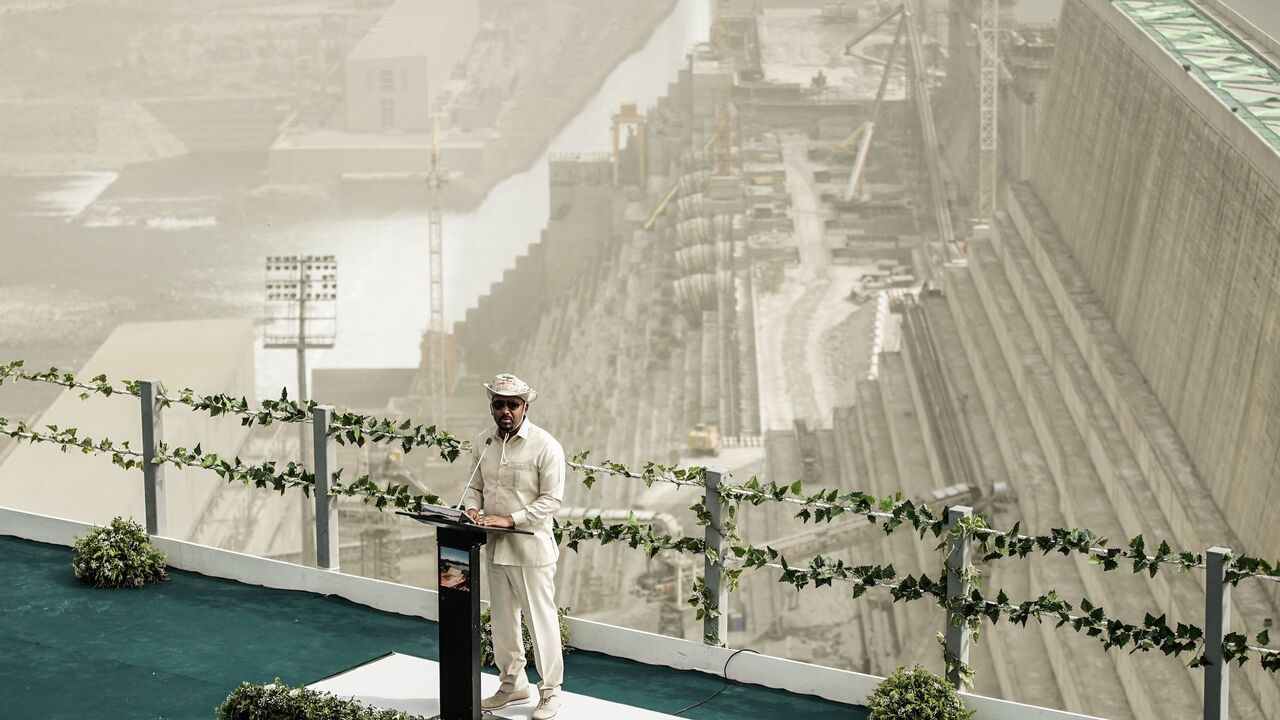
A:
523, 478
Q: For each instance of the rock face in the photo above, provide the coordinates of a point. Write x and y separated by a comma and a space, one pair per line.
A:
62, 136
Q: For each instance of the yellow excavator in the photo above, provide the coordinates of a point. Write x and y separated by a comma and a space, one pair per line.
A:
704, 439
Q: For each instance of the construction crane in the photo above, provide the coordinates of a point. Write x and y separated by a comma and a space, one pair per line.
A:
849, 46
929, 133
988, 111
861, 137
722, 134
675, 188
436, 365
988, 135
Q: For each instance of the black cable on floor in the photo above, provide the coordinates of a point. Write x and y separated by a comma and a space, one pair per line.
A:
727, 682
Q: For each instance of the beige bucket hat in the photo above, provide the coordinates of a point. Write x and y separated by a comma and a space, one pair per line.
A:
512, 386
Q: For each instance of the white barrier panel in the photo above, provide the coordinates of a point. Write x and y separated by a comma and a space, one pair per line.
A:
840, 686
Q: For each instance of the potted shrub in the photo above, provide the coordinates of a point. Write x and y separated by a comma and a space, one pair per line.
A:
916, 694
278, 701
118, 555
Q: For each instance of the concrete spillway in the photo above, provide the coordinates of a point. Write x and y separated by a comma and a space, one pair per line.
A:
1170, 202
1145, 256
1046, 394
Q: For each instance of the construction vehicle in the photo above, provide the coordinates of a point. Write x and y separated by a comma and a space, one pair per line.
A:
704, 439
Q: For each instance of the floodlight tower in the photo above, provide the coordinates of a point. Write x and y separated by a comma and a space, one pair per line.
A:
436, 363
988, 164
302, 313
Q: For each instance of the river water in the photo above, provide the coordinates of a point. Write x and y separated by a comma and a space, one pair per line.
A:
153, 245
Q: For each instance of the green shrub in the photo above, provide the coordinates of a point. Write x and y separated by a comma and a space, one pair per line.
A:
118, 555
486, 637
916, 694
281, 702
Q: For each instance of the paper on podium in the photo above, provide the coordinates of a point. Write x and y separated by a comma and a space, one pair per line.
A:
447, 513
432, 513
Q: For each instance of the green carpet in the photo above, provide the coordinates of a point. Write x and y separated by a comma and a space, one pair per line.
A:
175, 650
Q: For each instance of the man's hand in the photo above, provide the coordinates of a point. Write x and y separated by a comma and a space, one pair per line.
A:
502, 521
474, 515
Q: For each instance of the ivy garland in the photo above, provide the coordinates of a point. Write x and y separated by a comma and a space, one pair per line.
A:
819, 506
266, 475
1154, 633
890, 513
650, 473
67, 438
893, 512
346, 427
634, 533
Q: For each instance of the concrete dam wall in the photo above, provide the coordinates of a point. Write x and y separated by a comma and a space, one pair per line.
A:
1170, 203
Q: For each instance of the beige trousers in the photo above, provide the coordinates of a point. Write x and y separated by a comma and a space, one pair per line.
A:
515, 590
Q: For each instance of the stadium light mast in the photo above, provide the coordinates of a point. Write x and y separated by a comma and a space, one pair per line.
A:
301, 314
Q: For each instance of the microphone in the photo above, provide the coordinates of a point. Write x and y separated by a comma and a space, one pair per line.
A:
488, 441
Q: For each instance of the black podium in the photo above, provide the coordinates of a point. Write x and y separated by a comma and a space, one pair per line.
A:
458, 542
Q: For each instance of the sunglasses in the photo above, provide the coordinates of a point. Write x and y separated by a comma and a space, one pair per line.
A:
508, 404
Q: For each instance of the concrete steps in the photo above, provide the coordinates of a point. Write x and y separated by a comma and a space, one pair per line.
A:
871, 612
1089, 687
843, 437
1010, 661
1135, 503
911, 458
1184, 497
966, 387
1144, 500
921, 620
878, 441
1084, 499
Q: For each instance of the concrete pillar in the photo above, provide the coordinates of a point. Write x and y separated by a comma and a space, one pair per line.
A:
149, 391
325, 463
957, 633
715, 630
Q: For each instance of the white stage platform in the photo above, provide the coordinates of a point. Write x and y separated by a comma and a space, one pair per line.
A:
412, 684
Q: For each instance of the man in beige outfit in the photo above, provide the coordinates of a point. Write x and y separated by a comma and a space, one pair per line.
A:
520, 484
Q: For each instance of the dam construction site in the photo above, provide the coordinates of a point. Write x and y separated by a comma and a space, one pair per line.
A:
1019, 256
788, 251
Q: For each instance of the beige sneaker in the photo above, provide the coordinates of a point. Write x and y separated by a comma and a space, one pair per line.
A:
547, 708
500, 699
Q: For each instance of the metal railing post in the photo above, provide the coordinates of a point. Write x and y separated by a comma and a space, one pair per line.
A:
149, 392
957, 632
715, 626
325, 456
1217, 623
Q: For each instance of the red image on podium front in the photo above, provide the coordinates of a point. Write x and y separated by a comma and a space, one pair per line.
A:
455, 572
